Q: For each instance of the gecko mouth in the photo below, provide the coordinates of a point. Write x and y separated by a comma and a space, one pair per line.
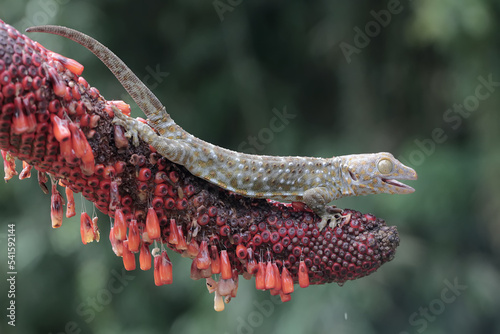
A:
406, 173
403, 187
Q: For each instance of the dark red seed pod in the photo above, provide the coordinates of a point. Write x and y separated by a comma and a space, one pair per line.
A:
253, 229
203, 219
188, 190
271, 220
297, 251
241, 252
109, 172
161, 190
99, 169
300, 233
143, 187
198, 201
126, 200
266, 236
9, 90
162, 164
225, 230
160, 177
169, 203
144, 174
275, 237
157, 202
5, 78
181, 204
173, 176
277, 248
221, 220
93, 181
104, 185
27, 83
315, 232
257, 240
285, 241
212, 211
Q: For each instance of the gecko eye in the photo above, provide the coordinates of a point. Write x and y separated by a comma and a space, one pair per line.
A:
384, 166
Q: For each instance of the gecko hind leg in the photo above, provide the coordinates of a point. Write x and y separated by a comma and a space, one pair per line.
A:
126, 122
176, 151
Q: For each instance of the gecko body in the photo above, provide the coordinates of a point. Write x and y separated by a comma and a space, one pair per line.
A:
314, 181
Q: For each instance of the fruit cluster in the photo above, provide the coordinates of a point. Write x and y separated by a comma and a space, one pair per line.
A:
55, 122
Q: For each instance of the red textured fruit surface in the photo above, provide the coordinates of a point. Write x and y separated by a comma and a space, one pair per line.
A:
53, 120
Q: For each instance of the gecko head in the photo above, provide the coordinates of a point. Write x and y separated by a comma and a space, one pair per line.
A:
377, 173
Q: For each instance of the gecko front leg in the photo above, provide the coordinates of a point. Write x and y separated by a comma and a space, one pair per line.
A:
317, 200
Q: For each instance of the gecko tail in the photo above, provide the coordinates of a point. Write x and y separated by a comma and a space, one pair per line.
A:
140, 93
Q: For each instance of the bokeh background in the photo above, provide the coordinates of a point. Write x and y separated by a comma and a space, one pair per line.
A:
408, 77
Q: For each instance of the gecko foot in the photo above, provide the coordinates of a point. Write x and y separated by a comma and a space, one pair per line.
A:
332, 220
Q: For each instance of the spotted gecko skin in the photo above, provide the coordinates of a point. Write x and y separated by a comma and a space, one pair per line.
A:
314, 181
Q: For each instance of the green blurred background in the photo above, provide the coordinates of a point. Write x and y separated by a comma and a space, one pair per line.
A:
353, 86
